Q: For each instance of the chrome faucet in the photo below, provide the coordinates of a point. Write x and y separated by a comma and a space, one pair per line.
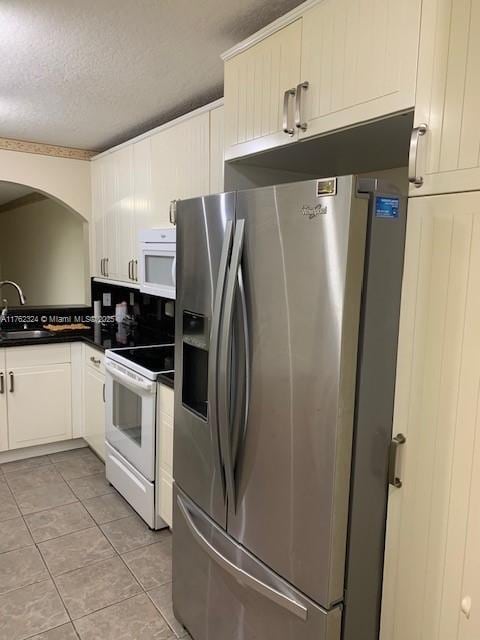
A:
5, 302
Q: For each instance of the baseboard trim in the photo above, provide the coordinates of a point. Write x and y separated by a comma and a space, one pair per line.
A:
41, 450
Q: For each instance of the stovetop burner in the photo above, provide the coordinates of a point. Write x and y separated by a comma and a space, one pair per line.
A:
149, 361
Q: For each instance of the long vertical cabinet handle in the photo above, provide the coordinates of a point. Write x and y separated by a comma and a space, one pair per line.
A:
130, 270
135, 263
2, 383
413, 176
106, 266
101, 267
289, 93
224, 359
214, 342
12, 381
299, 123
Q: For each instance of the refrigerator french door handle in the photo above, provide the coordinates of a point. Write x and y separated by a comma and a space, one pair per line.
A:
240, 575
214, 348
246, 338
224, 357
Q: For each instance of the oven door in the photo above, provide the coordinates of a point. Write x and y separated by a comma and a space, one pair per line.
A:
157, 270
130, 417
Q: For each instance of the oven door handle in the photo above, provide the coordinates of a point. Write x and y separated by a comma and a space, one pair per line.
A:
147, 385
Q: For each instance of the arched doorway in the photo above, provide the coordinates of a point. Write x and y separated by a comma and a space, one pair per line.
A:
43, 247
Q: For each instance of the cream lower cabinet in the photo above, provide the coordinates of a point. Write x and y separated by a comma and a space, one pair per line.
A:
164, 493
94, 400
448, 98
38, 389
3, 404
432, 563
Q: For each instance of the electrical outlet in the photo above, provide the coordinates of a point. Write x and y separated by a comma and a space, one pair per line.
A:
107, 299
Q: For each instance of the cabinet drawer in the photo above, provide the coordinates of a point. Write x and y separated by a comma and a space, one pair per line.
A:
95, 359
38, 354
165, 396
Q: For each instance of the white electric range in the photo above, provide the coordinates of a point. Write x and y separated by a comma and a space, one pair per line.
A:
131, 423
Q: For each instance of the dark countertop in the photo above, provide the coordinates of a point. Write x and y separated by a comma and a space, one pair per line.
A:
101, 338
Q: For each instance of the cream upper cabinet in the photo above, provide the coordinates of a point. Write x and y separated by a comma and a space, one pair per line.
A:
133, 186
123, 213
431, 582
3, 404
336, 64
97, 228
142, 188
257, 82
448, 98
39, 394
359, 58
217, 145
180, 164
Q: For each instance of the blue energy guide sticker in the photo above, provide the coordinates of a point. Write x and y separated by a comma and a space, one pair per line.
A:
387, 207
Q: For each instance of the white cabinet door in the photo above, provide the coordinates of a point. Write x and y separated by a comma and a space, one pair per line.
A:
180, 164
39, 404
255, 84
94, 392
448, 97
97, 229
164, 456
217, 141
3, 404
122, 213
110, 231
360, 59
142, 185
431, 560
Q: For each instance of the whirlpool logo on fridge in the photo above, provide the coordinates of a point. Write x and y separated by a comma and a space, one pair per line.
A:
311, 212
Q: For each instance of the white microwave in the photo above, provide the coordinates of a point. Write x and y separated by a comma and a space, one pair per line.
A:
157, 262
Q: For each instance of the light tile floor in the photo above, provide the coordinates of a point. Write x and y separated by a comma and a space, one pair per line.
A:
75, 559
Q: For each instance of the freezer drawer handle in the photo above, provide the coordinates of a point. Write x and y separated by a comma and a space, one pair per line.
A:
239, 574
393, 479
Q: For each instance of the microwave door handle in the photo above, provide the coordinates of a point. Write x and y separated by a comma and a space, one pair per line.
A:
213, 353
224, 360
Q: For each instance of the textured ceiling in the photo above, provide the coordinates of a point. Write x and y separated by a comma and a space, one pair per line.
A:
11, 191
92, 73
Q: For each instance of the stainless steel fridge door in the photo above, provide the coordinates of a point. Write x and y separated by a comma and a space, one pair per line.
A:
301, 265
221, 592
204, 236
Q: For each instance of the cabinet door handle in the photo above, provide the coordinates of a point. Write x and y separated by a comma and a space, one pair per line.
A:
393, 479
94, 360
106, 266
130, 270
101, 266
136, 270
2, 383
298, 106
12, 381
103, 392
289, 93
413, 176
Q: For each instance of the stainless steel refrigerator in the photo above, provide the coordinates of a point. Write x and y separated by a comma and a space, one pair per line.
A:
286, 330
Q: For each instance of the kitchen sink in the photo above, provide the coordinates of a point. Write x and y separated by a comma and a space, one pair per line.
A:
26, 333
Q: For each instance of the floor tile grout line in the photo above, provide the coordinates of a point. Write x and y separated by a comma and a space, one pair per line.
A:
63, 535
159, 611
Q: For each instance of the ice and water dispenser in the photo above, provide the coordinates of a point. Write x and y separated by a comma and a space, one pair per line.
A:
195, 363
